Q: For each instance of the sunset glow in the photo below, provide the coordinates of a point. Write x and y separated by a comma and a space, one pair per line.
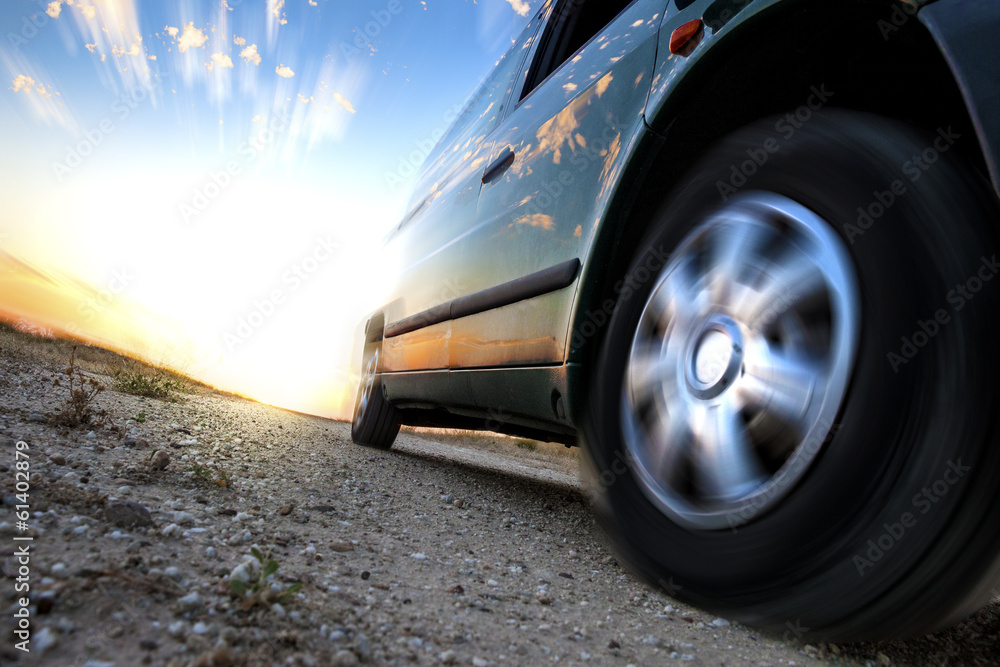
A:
206, 185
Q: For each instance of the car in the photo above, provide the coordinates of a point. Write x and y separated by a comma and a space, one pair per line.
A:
742, 253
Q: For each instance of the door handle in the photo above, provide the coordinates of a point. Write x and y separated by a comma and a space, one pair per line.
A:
499, 166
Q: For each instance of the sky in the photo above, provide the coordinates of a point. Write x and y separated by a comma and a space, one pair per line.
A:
205, 185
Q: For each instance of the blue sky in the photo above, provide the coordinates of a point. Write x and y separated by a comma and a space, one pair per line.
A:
211, 152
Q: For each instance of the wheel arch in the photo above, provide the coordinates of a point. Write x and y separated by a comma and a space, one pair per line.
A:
795, 47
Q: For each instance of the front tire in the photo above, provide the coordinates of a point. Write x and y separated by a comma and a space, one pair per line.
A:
792, 422
376, 420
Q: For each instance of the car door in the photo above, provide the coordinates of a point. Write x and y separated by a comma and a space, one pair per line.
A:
424, 251
580, 96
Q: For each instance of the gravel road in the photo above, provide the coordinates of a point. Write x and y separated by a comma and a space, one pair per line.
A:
467, 551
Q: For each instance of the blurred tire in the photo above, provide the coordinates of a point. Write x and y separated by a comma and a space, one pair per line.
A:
890, 529
376, 421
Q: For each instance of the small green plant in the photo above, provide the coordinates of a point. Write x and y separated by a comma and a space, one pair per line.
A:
201, 471
131, 377
526, 444
78, 409
259, 591
141, 417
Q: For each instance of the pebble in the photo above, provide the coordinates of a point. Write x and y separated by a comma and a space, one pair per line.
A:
183, 518
479, 662
59, 571
721, 623
419, 556
171, 529
128, 514
43, 640
278, 610
176, 629
344, 658
200, 628
285, 510
38, 418
190, 601
58, 459
160, 460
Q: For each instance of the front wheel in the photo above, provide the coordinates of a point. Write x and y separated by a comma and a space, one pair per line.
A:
792, 421
376, 420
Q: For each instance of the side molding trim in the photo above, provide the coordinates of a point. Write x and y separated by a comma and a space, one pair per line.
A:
527, 287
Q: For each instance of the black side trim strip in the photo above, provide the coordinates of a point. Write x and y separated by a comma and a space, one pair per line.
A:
527, 287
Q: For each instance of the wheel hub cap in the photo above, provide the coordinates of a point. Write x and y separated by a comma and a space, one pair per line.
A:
740, 362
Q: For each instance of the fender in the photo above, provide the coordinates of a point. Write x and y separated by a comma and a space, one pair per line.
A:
966, 33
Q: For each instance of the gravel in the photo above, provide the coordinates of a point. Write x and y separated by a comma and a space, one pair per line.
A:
446, 550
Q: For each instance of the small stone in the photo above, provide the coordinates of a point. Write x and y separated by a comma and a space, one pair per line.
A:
59, 571
128, 514
721, 623
190, 601
456, 589
58, 459
418, 556
448, 657
148, 645
448, 498
278, 610
160, 460
459, 503
183, 518
884, 659
43, 640
565, 575
323, 508
344, 658
200, 628
651, 641
176, 629
366, 575
286, 509
38, 418
613, 644
479, 662
171, 529
341, 547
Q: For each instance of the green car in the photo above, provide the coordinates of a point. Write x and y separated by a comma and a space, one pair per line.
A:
741, 252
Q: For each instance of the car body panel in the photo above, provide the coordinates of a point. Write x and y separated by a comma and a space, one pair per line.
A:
567, 136
966, 32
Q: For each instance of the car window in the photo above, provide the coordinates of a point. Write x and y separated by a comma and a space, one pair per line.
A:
573, 23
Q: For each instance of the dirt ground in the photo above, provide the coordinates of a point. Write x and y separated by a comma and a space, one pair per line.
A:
449, 549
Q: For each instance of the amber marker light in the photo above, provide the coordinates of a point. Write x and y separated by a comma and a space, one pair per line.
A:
686, 37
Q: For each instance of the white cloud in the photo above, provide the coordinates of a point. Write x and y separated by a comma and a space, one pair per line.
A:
239, 41
284, 71
339, 99
221, 60
191, 37
275, 7
91, 47
520, 7
119, 51
171, 31
250, 54
54, 9
24, 83
88, 11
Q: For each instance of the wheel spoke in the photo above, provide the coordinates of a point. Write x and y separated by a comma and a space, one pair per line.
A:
679, 298
784, 284
726, 463
648, 370
734, 248
780, 384
669, 443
